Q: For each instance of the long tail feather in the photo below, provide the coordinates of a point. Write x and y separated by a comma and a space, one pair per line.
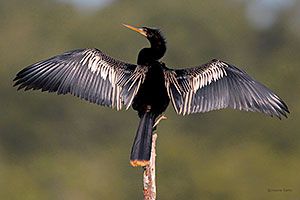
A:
141, 149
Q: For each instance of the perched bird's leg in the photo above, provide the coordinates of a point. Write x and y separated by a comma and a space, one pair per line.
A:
161, 117
148, 108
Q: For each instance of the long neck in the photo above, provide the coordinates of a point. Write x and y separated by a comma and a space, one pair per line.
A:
154, 53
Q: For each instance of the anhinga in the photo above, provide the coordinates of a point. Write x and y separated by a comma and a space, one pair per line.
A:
149, 86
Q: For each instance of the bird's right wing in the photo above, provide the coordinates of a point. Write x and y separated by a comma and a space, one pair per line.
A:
86, 73
216, 85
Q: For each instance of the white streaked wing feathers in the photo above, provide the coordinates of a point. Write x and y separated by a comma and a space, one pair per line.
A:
88, 74
218, 85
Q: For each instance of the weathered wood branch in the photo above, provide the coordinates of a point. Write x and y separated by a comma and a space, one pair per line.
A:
149, 174
149, 170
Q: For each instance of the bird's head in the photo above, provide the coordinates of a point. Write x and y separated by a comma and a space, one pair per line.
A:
157, 41
154, 35
149, 33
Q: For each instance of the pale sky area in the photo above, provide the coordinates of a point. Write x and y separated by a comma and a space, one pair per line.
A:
89, 4
261, 13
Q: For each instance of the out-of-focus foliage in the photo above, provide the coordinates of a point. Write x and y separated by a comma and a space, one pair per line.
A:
58, 147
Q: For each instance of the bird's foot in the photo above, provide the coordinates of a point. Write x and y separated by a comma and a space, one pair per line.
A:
162, 117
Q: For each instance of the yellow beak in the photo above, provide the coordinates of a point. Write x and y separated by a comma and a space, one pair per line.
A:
139, 30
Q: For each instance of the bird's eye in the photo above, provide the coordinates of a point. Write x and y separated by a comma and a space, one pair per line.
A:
146, 31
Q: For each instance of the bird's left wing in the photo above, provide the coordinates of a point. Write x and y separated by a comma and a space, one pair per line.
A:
216, 85
88, 74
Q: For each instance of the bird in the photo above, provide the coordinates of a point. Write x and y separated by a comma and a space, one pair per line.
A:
149, 86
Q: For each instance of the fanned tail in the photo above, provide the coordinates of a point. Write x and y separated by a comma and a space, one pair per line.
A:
141, 149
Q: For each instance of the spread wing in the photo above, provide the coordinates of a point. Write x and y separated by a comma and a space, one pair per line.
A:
85, 73
218, 85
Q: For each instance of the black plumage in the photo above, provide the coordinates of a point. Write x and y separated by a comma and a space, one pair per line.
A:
218, 85
88, 74
149, 86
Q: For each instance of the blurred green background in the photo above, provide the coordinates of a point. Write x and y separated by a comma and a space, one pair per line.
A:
58, 147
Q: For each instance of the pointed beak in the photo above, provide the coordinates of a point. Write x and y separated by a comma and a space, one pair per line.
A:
139, 30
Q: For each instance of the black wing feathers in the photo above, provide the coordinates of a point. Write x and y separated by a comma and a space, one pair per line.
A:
98, 78
218, 85
86, 73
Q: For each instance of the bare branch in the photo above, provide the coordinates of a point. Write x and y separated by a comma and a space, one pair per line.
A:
149, 174
149, 170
